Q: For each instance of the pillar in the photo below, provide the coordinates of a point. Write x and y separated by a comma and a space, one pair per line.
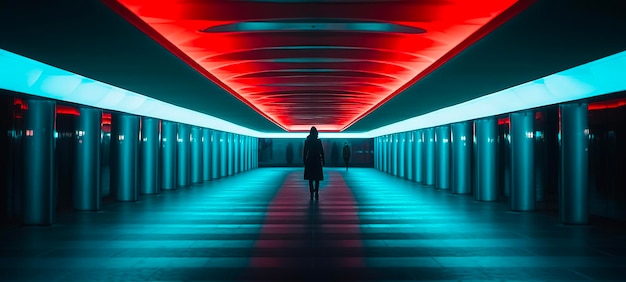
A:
385, 151
400, 159
168, 155
247, 152
183, 156
38, 161
485, 172
235, 159
149, 156
125, 150
442, 157
522, 197
376, 152
86, 190
418, 163
215, 155
206, 154
223, 141
574, 196
428, 166
461, 137
230, 147
390, 155
408, 151
255, 152
242, 153
196, 155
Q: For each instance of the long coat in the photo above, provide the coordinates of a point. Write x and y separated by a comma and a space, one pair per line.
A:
313, 158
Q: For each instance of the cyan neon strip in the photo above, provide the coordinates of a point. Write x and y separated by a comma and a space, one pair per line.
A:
600, 77
24, 75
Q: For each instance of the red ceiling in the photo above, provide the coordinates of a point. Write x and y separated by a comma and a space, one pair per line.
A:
322, 63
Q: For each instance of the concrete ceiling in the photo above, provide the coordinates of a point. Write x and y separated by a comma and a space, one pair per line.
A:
89, 38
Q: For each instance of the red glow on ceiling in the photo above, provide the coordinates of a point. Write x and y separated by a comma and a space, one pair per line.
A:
328, 63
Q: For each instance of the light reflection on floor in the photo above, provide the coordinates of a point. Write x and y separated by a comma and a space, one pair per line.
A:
261, 225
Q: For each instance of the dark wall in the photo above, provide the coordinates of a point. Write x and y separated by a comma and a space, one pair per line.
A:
607, 161
64, 160
10, 150
288, 152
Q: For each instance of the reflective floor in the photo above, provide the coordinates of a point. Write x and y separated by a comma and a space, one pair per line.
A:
261, 225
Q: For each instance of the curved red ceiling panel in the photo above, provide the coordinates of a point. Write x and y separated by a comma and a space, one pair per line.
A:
322, 63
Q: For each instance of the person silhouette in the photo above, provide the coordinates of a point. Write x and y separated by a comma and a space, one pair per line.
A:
313, 159
346, 154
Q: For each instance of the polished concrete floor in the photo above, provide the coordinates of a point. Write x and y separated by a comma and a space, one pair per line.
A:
261, 225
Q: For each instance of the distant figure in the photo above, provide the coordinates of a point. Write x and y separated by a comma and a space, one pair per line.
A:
313, 159
346, 154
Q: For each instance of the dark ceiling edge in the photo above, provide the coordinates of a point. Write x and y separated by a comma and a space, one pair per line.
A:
472, 39
128, 16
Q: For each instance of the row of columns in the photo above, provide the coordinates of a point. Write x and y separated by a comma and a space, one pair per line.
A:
147, 155
462, 158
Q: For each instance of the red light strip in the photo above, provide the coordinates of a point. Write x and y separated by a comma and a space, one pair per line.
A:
611, 104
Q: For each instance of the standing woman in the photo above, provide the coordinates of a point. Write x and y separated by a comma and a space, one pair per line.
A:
346, 154
313, 158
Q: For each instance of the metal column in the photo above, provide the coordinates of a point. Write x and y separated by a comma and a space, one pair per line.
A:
522, 161
394, 154
235, 159
574, 197
400, 159
383, 153
183, 156
206, 154
86, 190
375, 153
248, 152
255, 152
230, 161
485, 172
246, 149
149, 156
38, 161
125, 149
389, 151
461, 158
215, 154
223, 139
418, 156
408, 167
168, 155
442, 157
196, 155
242, 153
428, 165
